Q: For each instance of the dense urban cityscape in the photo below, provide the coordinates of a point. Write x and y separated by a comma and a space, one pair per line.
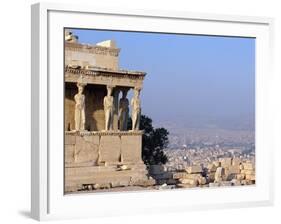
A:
207, 158
202, 146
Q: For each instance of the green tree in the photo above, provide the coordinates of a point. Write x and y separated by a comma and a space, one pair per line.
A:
154, 140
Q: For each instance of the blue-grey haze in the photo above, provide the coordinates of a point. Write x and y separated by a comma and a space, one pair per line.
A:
193, 80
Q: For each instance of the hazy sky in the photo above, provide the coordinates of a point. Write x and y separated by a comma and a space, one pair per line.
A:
190, 79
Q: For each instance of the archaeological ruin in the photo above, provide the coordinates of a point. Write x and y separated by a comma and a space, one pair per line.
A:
100, 151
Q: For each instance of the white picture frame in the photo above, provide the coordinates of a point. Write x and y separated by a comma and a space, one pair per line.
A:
47, 198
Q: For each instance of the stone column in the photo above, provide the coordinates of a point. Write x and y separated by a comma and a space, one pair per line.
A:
136, 109
108, 103
123, 111
116, 108
79, 114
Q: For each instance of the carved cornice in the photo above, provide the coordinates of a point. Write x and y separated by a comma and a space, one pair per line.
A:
94, 49
106, 72
103, 133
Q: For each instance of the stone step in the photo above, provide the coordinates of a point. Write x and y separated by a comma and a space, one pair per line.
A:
85, 170
90, 165
103, 176
76, 186
92, 180
89, 172
101, 169
88, 180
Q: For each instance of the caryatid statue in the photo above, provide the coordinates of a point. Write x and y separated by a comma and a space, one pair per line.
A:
123, 111
80, 108
136, 109
108, 105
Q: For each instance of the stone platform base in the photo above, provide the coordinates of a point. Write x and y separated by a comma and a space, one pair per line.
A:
88, 177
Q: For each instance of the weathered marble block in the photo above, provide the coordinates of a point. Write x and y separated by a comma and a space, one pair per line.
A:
248, 166
69, 153
240, 176
216, 163
211, 168
70, 139
250, 177
194, 169
248, 172
110, 148
219, 175
233, 169
86, 149
101, 147
226, 162
131, 148
193, 182
236, 161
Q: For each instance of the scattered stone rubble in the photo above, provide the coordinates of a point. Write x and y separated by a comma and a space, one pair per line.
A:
225, 172
190, 177
161, 176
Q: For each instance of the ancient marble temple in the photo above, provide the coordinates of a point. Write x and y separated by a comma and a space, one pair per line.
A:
100, 151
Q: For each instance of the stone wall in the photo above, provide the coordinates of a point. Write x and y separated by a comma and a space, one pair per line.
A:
131, 146
99, 160
86, 55
103, 147
81, 149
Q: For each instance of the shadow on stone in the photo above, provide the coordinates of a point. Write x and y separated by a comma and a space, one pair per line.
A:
161, 176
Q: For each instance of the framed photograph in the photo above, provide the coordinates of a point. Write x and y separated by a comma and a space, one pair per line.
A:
148, 111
